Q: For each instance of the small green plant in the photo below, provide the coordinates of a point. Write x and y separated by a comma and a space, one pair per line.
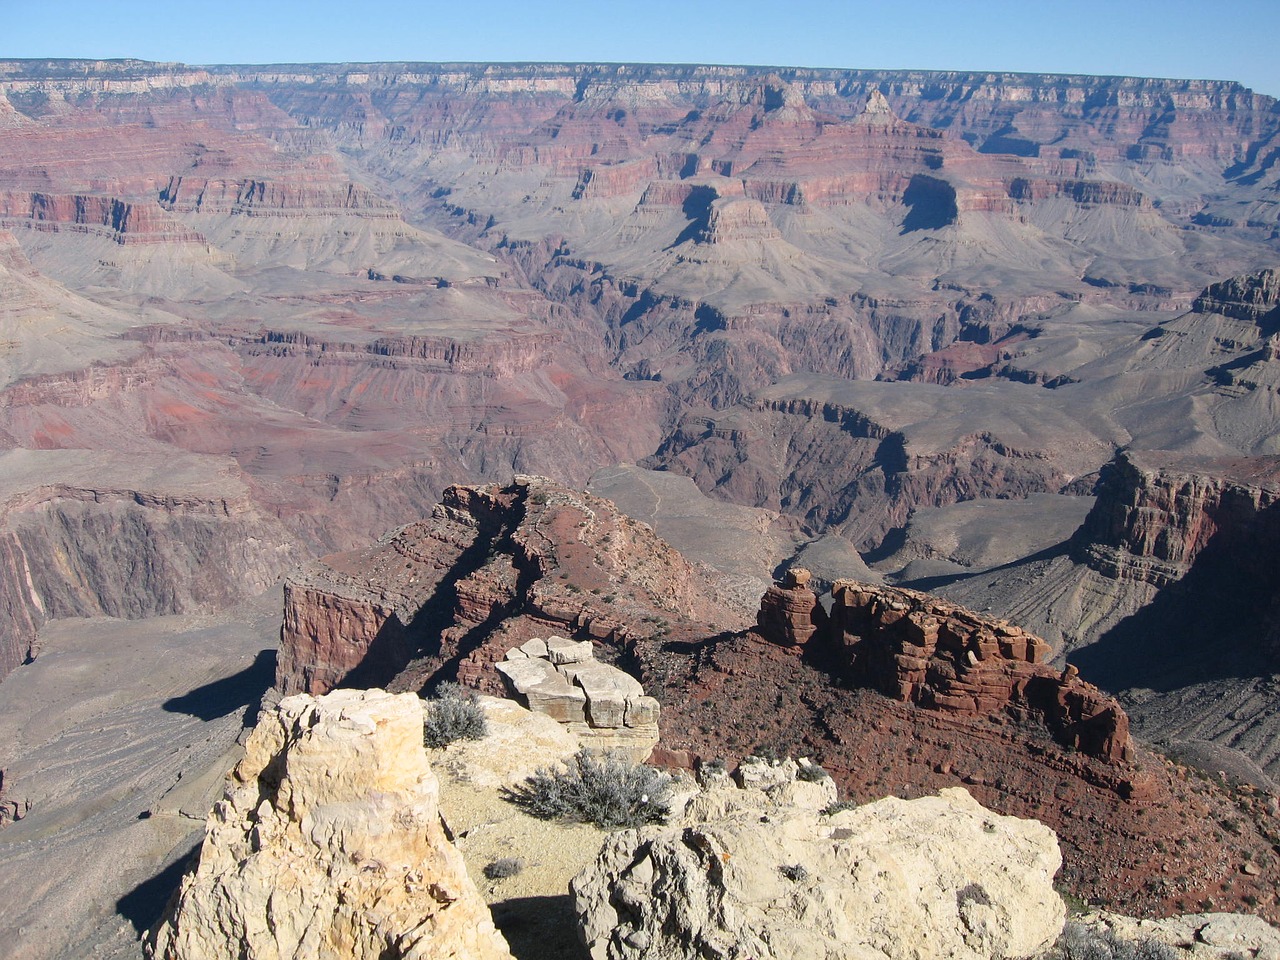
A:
605, 790
840, 806
453, 714
503, 867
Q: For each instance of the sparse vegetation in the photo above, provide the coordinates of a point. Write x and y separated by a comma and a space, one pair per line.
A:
453, 714
812, 773
606, 790
503, 867
795, 872
1079, 942
831, 809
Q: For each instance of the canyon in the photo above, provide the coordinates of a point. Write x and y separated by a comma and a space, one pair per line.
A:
1005, 343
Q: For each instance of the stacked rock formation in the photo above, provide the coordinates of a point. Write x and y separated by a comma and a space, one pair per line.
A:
764, 874
934, 653
329, 844
604, 706
789, 612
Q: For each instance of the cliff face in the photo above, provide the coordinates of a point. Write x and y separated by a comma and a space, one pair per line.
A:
90, 541
492, 567
1156, 514
938, 655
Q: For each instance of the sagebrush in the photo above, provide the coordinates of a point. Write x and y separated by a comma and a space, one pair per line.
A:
453, 713
1079, 942
607, 790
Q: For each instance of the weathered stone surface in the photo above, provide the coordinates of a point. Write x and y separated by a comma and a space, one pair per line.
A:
937, 654
749, 875
1199, 936
329, 844
562, 650
603, 705
543, 689
789, 612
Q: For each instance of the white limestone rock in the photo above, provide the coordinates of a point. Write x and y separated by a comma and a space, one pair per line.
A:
328, 844
544, 689
745, 876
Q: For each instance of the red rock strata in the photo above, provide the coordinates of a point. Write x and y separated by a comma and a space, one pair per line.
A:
1156, 513
495, 566
789, 612
492, 567
938, 655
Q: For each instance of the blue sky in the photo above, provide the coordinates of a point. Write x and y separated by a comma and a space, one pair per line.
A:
1225, 39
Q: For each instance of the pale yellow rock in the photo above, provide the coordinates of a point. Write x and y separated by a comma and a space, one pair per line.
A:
1196, 936
328, 845
749, 874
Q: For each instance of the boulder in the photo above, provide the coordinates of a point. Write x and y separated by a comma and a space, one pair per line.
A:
752, 875
603, 705
543, 689
328, 844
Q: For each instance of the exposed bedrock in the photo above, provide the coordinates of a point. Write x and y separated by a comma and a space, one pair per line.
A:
842, 466
329, 843
1156, 513
492, 567
938, 655
83, 540
750, 873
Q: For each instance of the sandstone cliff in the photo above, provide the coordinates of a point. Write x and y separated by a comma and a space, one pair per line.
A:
329, 844
936, 654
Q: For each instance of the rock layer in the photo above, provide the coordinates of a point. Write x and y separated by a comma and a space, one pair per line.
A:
329, 844
493, 567
939, 655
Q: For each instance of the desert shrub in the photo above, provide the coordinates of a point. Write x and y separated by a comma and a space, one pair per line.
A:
1079, 942
453, 714
840, 806
812, 773
503, 867
605, 790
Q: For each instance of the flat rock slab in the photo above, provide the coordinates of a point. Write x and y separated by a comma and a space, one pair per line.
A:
544, 689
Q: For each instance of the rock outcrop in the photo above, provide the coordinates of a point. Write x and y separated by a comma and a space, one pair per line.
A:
492, 567
86, 534
606, 707
789, 612
1156, 513
1196, 936
329, 844
765, 874
938, 655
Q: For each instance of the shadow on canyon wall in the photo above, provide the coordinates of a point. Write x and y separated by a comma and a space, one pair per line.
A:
143, 905
1220, 621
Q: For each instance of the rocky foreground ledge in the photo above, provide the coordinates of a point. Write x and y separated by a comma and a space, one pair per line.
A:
329, 843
